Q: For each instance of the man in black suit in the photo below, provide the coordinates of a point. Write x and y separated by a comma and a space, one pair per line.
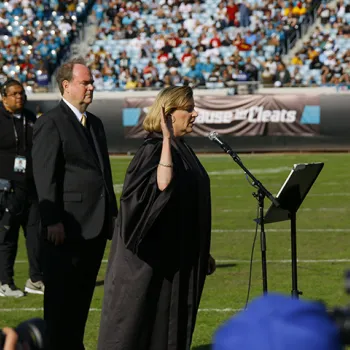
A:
78, 207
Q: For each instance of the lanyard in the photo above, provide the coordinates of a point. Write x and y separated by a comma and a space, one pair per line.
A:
24, 134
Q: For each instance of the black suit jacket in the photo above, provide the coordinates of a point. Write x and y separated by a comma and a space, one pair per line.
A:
8, 146
72, 175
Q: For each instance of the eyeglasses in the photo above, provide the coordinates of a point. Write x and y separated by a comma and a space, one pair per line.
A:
189, 109
22, 93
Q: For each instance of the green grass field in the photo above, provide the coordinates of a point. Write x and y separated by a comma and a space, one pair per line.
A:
323, 229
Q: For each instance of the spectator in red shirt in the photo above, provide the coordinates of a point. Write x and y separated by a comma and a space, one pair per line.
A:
26, 65
215, 41
231, 11
162, 56
187, 55
243, 46
150, 69
173, 40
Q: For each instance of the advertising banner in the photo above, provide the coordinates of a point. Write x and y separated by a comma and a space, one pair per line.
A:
251, 115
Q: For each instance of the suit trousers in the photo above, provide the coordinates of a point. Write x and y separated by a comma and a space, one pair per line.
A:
29, 219
70, 272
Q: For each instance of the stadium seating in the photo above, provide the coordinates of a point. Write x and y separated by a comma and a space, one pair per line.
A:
35, 35
325, 58
208, 43
156, 43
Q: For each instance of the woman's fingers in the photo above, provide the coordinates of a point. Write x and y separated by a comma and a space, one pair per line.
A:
163, 113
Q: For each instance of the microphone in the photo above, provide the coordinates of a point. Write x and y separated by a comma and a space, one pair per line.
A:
213, 136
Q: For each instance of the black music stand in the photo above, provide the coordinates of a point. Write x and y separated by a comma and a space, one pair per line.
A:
290, 197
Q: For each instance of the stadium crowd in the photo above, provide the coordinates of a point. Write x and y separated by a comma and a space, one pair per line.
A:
35, 35
153, 44
202, 43
325, 58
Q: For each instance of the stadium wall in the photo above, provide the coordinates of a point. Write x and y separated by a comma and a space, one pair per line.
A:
326, 128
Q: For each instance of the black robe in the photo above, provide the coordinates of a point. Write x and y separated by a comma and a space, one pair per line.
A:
159, 254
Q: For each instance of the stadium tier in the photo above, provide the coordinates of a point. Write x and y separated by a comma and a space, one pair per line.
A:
157, 43
324, 59
35, 35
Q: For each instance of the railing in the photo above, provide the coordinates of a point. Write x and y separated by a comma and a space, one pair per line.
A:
301, 28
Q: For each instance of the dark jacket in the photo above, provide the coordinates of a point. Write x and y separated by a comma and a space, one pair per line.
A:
72, 173
8, 147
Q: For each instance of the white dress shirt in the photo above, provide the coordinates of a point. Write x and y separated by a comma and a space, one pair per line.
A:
75, 110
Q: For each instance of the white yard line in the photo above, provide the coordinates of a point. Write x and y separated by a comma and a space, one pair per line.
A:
286, 261
302, 209
285, 230
331, 194
318, 230
253, 171
232, 261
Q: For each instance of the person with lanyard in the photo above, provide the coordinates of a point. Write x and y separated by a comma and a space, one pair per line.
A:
18, 199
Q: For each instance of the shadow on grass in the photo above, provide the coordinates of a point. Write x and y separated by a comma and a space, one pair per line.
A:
219, 266
202, 347
99, 283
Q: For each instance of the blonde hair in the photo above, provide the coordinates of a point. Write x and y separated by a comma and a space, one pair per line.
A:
173, 97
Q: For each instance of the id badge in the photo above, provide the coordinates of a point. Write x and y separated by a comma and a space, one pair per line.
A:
20, 164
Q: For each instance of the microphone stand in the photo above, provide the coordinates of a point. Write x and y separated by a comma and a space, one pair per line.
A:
260, 195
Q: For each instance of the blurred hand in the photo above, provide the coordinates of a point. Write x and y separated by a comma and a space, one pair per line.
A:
11, 339
211, 265
166, 124
56, 234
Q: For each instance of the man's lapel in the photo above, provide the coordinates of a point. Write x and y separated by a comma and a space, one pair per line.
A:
82, 137
94, 134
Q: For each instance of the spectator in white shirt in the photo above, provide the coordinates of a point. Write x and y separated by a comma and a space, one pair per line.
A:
190, 23
185, 7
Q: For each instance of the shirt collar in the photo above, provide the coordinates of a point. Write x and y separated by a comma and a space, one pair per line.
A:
75, 110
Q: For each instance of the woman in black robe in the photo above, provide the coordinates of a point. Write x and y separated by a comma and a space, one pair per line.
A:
159, 256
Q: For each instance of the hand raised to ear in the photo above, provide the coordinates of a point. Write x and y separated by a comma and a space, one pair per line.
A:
166, 124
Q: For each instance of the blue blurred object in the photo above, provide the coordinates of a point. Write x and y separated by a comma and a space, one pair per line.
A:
278, 322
